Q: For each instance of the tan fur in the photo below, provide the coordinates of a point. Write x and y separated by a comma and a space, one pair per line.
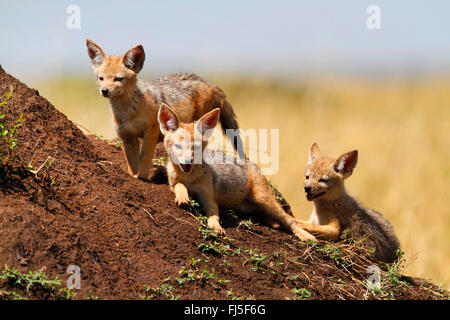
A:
334, 210
134, 103
236, 186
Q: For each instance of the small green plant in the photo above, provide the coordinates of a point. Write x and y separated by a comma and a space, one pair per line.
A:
301, 293
393, 269
222, 281
201, 275
164, 290
7, 134
338, 281
294, 277
31, 280
196, 209
390, 279
257, 259
98, 136
247, 224
91, 296
195, 275
334, 252
235, 297
193, 261
207, 232
225, 263
311, 243
212, 248
116, 143
346, 236
380, 292
43, 170
67, 293
10, 295
34, 281
218, 249
279, 254
162, 161
29, 165
440, 292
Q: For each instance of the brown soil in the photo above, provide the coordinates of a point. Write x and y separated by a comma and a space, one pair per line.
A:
126, 234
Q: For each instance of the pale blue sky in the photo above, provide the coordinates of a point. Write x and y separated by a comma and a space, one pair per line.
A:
247, 36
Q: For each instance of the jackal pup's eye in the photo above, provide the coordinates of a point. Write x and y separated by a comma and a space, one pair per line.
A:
306, 177
100, 78
118, 79
323, 180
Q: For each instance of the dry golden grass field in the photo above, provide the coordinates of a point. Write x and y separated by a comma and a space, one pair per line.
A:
401, 128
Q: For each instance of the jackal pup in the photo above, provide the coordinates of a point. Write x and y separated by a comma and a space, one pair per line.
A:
334, 210
235, 186
134, 103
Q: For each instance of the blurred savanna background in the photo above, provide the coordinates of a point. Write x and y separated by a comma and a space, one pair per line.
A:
313, 70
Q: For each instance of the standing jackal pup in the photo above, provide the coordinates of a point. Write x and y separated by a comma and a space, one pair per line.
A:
134, 103
234, 186
334, 210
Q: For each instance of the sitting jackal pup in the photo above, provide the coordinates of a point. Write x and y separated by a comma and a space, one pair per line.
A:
233, 186
134, 103
334, 210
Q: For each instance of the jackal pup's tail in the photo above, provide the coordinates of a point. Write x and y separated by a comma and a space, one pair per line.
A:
228, 121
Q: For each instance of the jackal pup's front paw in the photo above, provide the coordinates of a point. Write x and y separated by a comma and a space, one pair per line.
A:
181, 196
214, 223
302, 234
182, 200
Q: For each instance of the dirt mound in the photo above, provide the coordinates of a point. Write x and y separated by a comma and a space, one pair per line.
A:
131, 241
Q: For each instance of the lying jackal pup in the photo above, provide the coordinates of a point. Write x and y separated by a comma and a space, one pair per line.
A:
334, 210
134, 103
234, 186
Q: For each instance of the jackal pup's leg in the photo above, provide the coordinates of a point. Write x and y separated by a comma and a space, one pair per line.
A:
275, 213
207, 198
131, 150
146, 155
329, 231
262, 197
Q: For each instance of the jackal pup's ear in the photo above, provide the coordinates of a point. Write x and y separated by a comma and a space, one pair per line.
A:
95, 52
207, 123
346, 163
134, 58
168, 119
314, 153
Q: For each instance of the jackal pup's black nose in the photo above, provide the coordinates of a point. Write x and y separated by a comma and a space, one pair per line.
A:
105, 92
